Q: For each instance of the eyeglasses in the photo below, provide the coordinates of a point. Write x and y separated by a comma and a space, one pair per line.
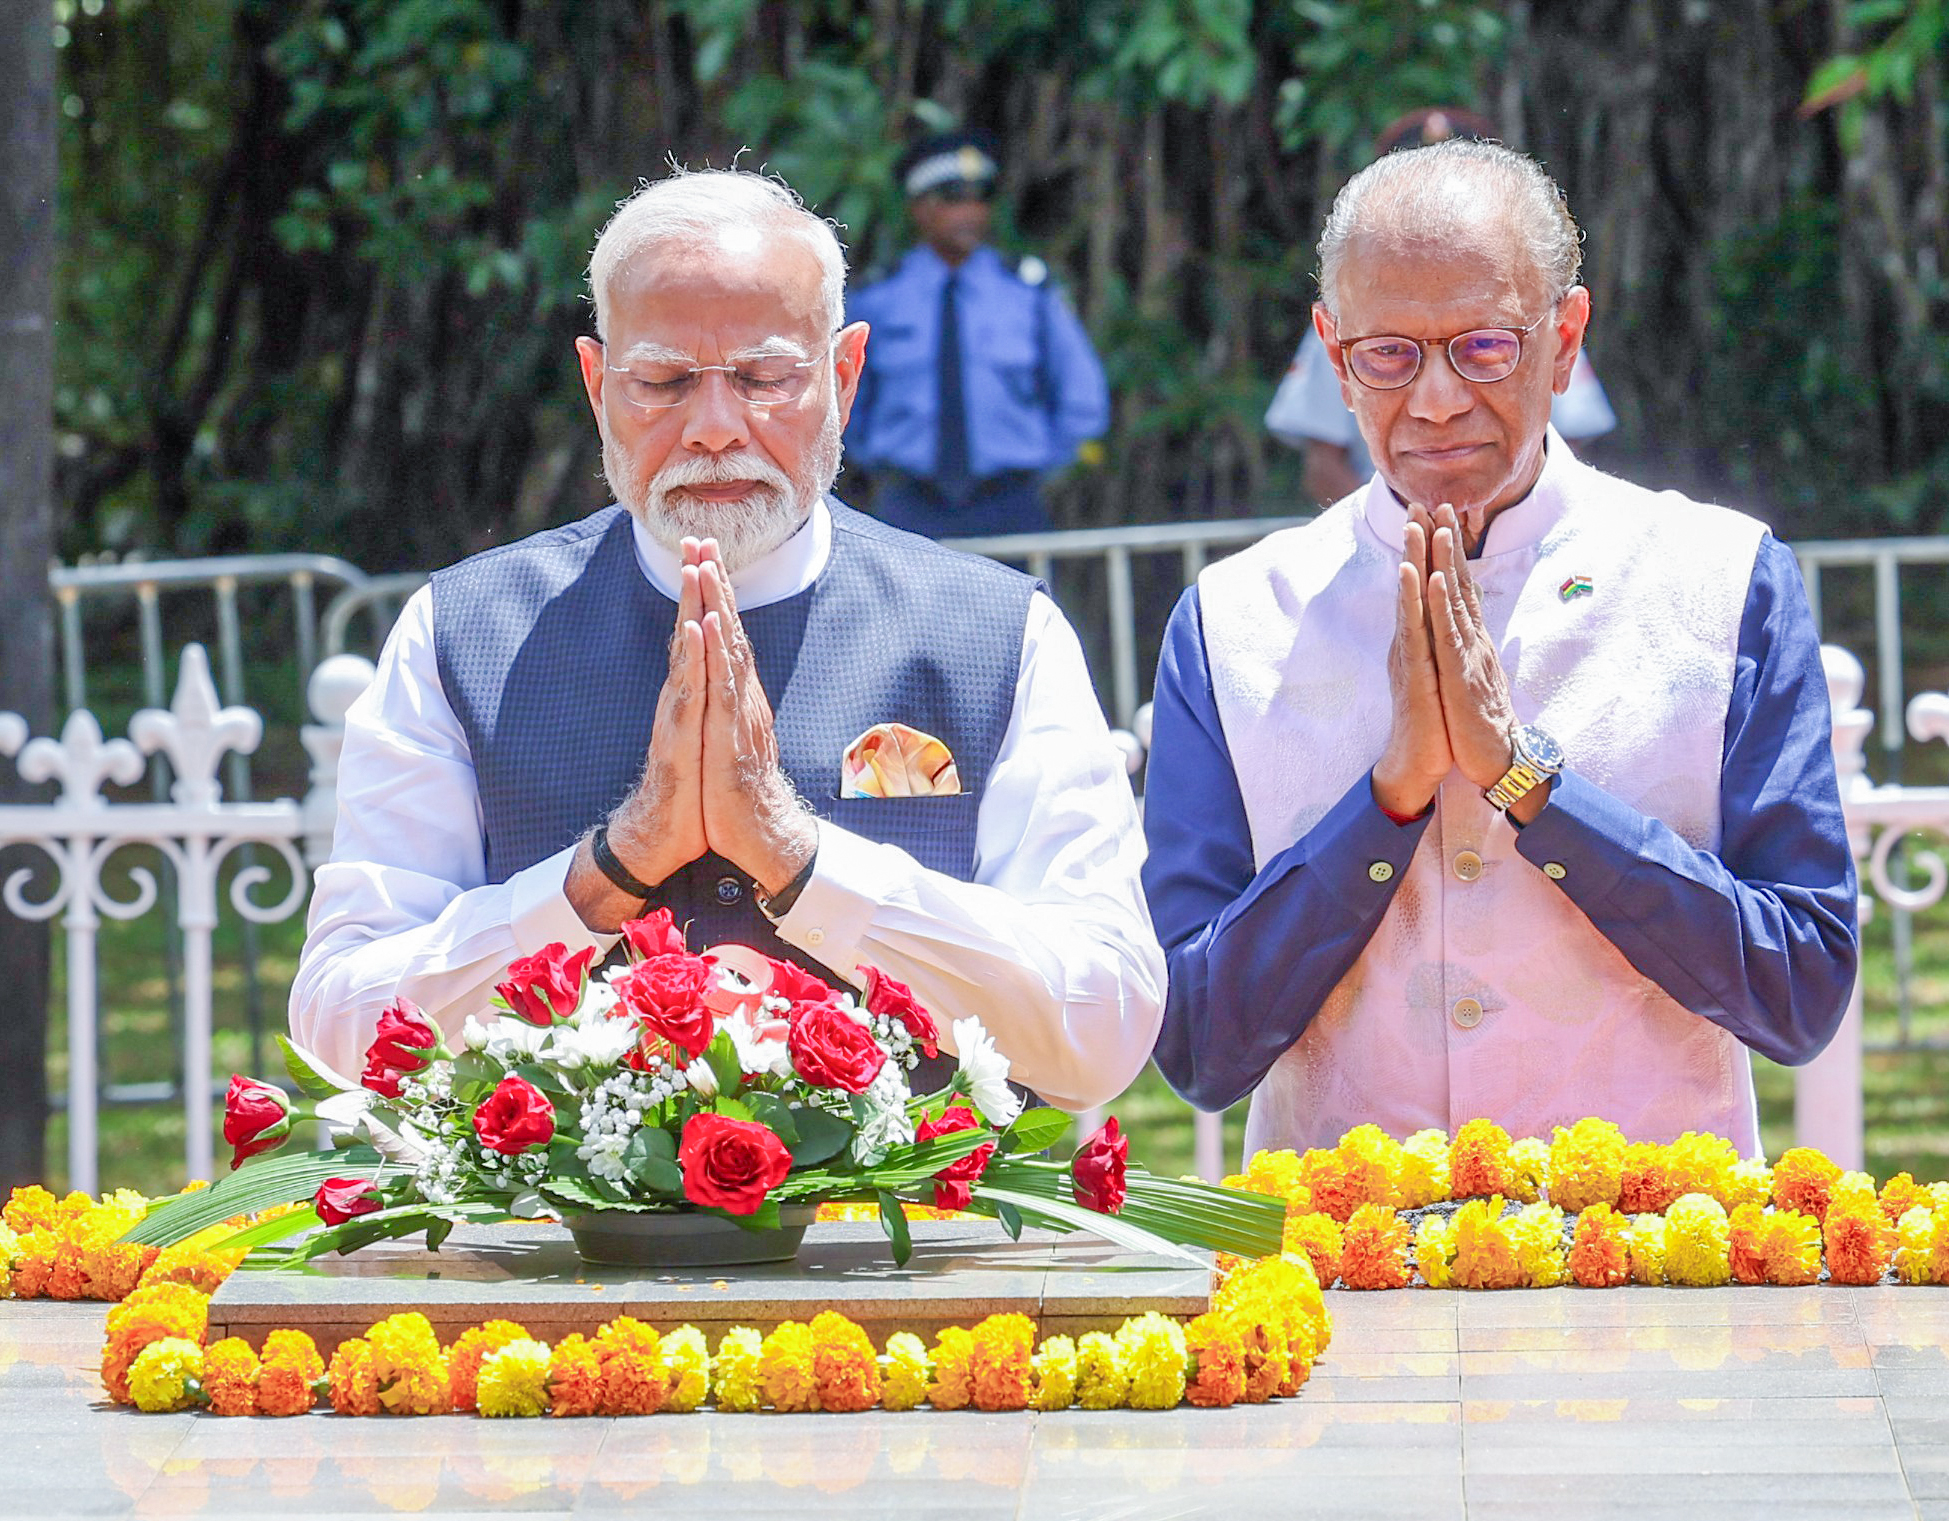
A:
1483, 356
756, 383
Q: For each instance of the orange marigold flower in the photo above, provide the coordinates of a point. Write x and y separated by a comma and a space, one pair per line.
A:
31, 1208
146, 1316
952, 1385
1746, 1243
1319, 1239
1600, 1256
845, 1367
469, 1351
1802, 1179
1478, 1161
1282, 1292
230, 1377
355, 1387
1375, 1251
1216, 1353
34, 1255
1902, 1193
1331, 1190
785, 1370
1859, 1244
574, 1377
1485, 1257
1791, 1247
1262, 1342
1001, 1362
1645, 1184
1372, 1162
287, 1373
633, 1381
189, 1264
65, 1278
1586, 1165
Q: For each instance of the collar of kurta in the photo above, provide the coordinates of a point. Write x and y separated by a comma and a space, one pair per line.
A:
785, 572
1519, 526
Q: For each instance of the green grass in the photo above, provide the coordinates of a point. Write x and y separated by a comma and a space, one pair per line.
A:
1906, 1095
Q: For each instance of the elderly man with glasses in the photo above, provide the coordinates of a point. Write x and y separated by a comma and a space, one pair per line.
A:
1503, 788
731, 696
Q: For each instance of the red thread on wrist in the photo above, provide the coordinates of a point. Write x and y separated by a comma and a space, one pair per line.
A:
1401, 818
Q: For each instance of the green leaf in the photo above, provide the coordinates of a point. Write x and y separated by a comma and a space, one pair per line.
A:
764, 1218
437, 1233
650, 1159
777, 1116
893, 1220
301, 1065
1112, 1228
543, 1078
820, 1136
1035, 1130
475, 1075
255, 1186
1011, 1220
578, 1194
723, 1058
265, 1232
731, 1109
387, 1225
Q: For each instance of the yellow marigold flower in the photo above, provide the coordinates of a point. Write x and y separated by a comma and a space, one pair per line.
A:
1746, 1243
952, 1386
1434, 1251
1858, 1238
1424, 1169
1278, 1174
904, 1372
469, 1350
1054, 1372
1485, 1257
355, 1387
1702, 1163
1375, 1250
1802, 1180
1283, 1291
1536, 1232
408, 1365
1154, 1355
687, 1369
189, 1264
574, 1377
1372, 1163
1749, 1182
1902, 1193
1600, 1257
1915, 1244
1645, 1238
1529, 1166
734, 1371
149, 1315
1478, 1162
1318, 1238
785, 1367
1939, 1255
1939, 1197
31, 1208
1791, 1246
1586, 1165
513, 1379
1102, 1380
1697, 1242
1853, 1190
845, 1368
1216, 1358
287, 1374
1330, 1189
1001, 1369
633, 1380
161, 1375
230, 1377
1646, 1185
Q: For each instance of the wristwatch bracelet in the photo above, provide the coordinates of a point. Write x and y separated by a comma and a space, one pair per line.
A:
620, 875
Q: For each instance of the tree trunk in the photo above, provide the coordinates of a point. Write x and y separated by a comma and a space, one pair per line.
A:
26, 531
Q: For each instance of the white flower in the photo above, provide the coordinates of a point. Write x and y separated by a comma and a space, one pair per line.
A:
984, 1074
473, 1034
600, 1043
759, 1054
886, 1122
598, 999
702, 1078
510, 1041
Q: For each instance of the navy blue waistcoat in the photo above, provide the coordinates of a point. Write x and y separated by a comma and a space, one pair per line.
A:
552, 652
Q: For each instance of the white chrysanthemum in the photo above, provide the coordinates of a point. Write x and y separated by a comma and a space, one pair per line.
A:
508, 1040
756, 1056
984, 1074
702, 1078
600, 1043
598, 1000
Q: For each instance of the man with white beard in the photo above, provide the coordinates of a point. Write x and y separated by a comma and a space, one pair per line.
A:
676, 702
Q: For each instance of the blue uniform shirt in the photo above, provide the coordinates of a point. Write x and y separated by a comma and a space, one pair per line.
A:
1034, 387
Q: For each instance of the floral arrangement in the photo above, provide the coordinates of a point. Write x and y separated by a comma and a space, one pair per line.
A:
723, 1082
1267, 1326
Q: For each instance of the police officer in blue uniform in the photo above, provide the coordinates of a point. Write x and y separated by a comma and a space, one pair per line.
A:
979, 380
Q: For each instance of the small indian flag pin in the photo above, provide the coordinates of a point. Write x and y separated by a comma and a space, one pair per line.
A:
1575, 587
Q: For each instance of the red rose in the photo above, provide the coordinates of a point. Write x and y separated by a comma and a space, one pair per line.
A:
831, 1049
655, 934
403, 1046
256, 1117
896, 1001
951, 1189
546, 986
514, 1117
796, 985
381, 1079
1096, 1171
339, 1199
730, 1164
666, 994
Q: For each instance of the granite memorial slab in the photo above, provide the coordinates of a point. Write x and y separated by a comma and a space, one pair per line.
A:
959, 1272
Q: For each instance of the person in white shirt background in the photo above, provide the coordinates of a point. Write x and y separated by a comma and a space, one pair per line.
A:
720, 381
1308, 411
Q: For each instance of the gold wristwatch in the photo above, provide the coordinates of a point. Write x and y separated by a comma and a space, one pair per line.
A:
1537, 759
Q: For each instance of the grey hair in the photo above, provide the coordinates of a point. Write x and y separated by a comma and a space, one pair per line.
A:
699, 203
1438, 193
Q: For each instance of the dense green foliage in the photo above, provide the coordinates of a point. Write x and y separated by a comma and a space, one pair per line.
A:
322, 259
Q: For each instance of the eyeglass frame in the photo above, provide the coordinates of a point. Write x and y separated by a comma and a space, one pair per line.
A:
729, 371
1447, 346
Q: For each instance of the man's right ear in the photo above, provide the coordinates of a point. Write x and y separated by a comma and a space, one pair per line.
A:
1328, 332
592, 356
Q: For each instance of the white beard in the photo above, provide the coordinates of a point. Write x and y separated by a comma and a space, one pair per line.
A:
746, 530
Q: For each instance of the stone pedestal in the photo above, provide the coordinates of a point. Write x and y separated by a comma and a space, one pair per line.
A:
959, 1272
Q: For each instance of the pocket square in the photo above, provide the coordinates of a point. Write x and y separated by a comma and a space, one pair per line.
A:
893, 760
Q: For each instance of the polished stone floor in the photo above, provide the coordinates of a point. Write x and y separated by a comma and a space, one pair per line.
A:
1632, 1403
